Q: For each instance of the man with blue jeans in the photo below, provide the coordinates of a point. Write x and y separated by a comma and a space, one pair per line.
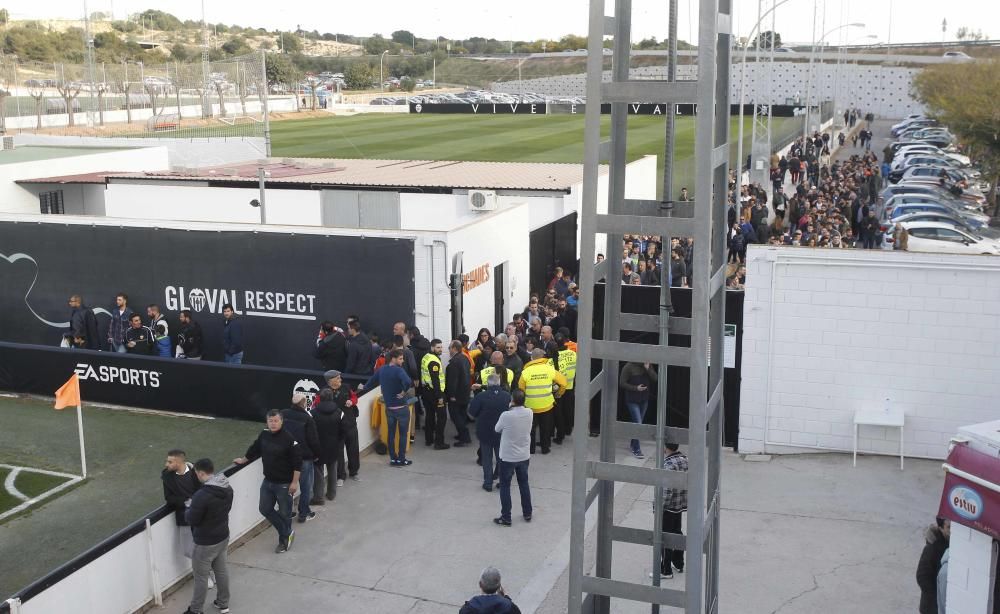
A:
395, 383
514, 426
232, 336
636, 379
486, 408
300, 425
121, 315
282, 459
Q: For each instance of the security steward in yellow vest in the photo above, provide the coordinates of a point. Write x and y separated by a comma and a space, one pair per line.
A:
565, 362
542, 385
432, 395
496, 366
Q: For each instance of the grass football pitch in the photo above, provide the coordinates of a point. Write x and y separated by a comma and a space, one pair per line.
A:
125, 454
509, 138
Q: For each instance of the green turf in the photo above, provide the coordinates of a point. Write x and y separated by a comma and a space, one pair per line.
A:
125, 454
7, 500
32, 484
521, 138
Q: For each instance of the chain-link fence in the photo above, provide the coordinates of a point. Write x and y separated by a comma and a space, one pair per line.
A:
223, 98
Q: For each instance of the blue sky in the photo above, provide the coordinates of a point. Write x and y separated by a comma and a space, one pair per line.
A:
912, 20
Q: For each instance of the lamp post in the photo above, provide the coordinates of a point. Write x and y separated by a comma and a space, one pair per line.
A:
381, 79
743, 74
812, 58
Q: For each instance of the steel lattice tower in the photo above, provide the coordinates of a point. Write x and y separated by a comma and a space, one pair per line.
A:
705, 221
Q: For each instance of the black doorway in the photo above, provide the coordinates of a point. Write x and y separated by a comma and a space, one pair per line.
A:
499, 297
550, 246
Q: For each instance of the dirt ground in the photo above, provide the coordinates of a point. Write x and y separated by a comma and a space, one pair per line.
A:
138, 127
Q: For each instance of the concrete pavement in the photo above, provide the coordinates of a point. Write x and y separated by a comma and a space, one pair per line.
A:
804, 533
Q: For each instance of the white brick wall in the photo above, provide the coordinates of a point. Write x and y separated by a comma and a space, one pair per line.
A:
849, 329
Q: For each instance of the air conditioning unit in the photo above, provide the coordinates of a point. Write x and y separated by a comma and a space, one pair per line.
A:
8, 143
482, 200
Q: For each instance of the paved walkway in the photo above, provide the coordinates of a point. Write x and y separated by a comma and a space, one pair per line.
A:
799, 533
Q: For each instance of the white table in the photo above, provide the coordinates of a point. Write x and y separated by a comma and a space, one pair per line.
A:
879, 417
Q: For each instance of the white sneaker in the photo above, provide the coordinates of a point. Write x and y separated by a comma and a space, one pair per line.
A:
340, 483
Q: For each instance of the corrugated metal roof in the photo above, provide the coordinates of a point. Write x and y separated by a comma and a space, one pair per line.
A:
386, 173
63, 179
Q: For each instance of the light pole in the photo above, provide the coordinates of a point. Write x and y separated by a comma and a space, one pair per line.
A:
381, 79
812, 58
743, 74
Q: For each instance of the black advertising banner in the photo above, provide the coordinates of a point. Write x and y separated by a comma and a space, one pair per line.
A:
281, 285
242, 392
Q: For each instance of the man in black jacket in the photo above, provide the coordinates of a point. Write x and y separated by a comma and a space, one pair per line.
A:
347, 402
301, 426
83, 325
282, 459
208, 516
486, 409
138, 338
189, 338
937, 539
328, 416
179, 485
458, 387
359, 351
331, 350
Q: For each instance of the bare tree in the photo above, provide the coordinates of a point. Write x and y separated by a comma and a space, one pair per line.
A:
7, 81
220, 90
100, 89
69, 90
120, 84
153, 90
242, 85
38, 93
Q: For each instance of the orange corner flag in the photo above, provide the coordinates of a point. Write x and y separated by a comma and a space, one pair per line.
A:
69, 394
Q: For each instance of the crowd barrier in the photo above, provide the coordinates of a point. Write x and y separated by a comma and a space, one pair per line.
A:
133, 567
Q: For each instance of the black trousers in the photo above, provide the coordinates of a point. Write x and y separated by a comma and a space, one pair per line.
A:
671, 524
436, 417
326, 480
458, 416
350, 435
543, 423
565, 406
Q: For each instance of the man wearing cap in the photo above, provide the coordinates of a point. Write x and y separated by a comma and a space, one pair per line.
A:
493, 599
348, 403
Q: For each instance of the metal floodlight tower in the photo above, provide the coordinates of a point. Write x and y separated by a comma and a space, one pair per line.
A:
760, 143
704, 220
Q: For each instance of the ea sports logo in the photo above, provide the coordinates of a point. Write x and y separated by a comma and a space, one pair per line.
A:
197, 299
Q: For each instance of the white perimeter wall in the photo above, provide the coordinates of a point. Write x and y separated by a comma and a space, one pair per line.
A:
196, 202
17, 199
843, 330
503, 238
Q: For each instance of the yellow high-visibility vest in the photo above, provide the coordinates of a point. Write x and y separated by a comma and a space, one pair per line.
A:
425, 370
537, 380
567, 366
488, 371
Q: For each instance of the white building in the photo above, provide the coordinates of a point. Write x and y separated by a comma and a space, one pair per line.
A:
509, 221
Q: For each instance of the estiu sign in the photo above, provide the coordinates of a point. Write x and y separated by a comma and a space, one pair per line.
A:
475, 278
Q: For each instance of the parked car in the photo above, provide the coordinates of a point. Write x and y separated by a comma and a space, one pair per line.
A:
938, 237
928, 216
932, 190
975, 220
932, 149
